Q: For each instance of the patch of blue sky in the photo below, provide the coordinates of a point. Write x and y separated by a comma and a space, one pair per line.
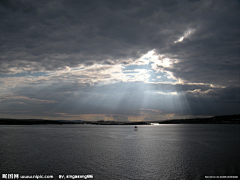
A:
133, 67
160, 77
130, 76
35, 74
154, 75
76, 69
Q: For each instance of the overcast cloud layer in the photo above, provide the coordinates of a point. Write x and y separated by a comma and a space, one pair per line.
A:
119, 60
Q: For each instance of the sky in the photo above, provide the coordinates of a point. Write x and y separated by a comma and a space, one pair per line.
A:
128, 60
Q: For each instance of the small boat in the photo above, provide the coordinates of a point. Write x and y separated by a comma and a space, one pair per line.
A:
135, 128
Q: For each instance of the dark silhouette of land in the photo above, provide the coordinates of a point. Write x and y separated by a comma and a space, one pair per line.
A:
226, 119
5, 121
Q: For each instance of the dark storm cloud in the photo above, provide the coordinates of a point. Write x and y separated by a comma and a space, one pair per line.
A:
65, 33
49, 35
211, 54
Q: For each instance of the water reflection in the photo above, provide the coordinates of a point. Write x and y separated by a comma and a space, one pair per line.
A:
119, 152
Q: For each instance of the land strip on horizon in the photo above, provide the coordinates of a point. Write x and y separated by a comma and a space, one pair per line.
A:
226, 119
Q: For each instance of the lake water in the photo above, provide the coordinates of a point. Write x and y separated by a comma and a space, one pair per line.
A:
176, 151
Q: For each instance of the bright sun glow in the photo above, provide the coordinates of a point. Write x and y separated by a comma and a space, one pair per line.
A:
186, 34
158, 66
170, 93
157, 60
180, 40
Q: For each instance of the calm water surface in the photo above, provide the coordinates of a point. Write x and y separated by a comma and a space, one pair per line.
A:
119, 152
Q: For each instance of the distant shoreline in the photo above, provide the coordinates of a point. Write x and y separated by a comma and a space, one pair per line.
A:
227, 119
